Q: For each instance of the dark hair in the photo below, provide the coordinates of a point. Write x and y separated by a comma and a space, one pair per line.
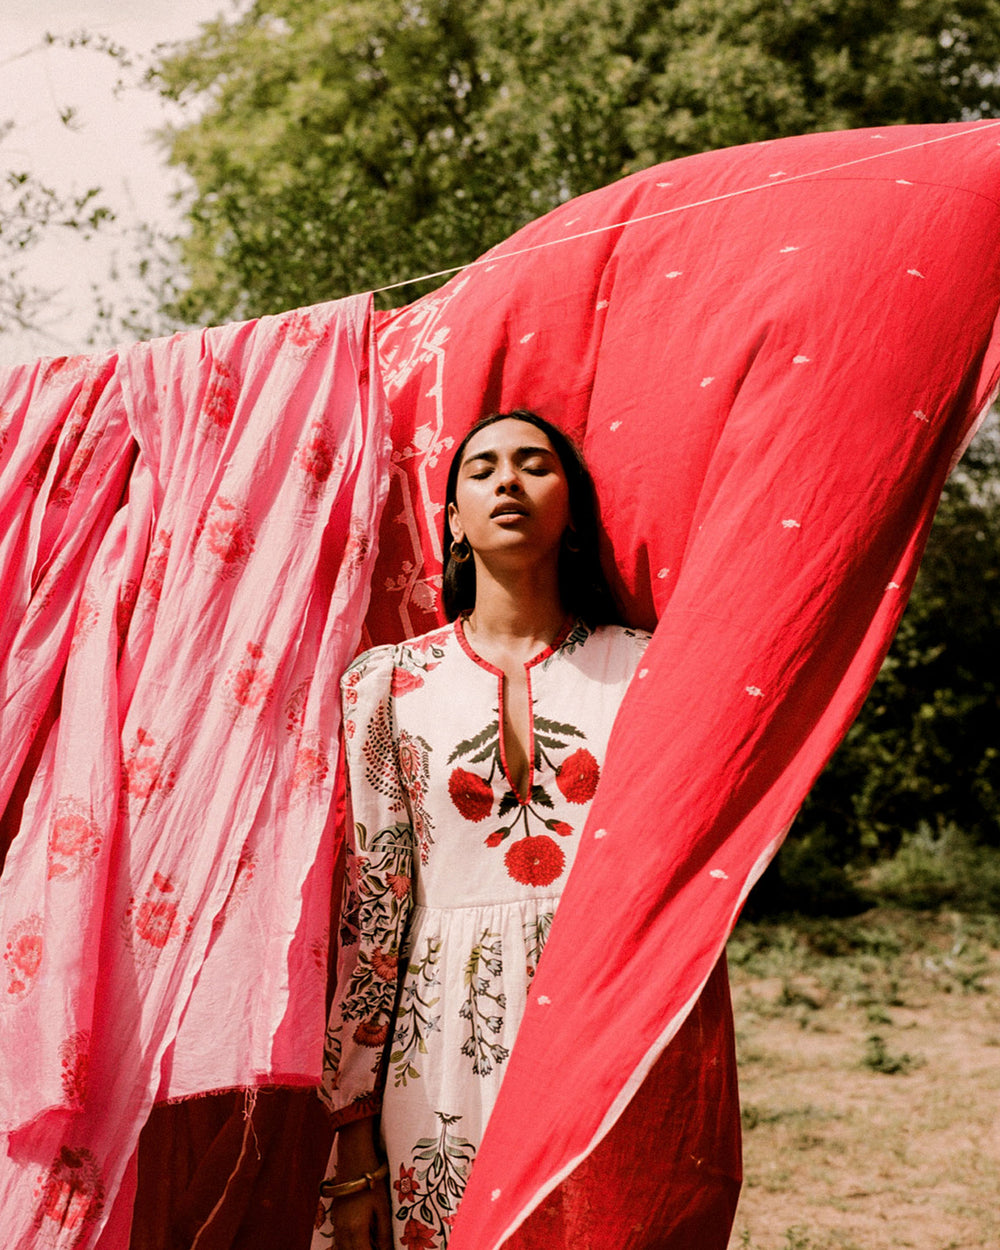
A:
583, 588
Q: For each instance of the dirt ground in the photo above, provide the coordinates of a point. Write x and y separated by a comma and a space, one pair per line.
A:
870, 1078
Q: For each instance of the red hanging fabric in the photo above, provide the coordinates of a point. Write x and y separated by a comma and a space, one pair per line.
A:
771, 369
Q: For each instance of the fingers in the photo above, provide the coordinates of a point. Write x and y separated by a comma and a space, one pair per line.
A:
354, 1219
363, 1221
382, 1227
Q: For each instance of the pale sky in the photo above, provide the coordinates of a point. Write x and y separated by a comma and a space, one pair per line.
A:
109, 144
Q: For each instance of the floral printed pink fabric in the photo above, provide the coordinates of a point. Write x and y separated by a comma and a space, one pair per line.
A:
185, 551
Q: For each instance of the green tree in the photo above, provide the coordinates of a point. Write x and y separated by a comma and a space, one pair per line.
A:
339, 147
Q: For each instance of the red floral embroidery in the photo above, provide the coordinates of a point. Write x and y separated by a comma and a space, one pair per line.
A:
560, 827
417, 1236
302, 331
312, 764
22, 957
317, 457
144, 770
74, 1059
535, 860
70, 1197
74, 839
76, 436
295, 707
577, 776
250, 686
403, 681
127, 599
156, 918
357, 545
36, 474
156, 566
471, 794
386, 966
399, 885
219, 404
246, 866
496, 837
406, 1186
224, 539
87, 613
371, 1033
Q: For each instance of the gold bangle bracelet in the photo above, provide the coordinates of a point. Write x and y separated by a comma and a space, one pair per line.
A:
343, 1189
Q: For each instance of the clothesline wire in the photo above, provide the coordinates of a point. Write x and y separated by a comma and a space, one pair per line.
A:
773, 181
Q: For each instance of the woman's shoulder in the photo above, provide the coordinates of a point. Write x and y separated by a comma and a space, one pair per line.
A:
617, 646
621, 637
372, 660
386, 663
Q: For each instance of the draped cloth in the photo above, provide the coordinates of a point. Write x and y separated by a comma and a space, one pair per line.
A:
186, 548
772, 359
771, 370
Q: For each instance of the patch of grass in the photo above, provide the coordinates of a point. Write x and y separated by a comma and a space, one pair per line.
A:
796, 1238
938, 868
879, 1059
754, 1115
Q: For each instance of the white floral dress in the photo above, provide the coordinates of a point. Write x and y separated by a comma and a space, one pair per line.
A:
452, 884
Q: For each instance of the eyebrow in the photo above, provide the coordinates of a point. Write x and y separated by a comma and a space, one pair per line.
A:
522, 453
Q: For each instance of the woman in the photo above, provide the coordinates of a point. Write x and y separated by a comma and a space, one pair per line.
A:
472, 756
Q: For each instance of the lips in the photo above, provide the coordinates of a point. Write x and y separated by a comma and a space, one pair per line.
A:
509, 509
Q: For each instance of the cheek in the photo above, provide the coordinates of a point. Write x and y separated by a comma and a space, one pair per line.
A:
557, 506
468, 507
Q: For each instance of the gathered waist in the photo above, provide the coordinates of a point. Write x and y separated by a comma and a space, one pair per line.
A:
536, 903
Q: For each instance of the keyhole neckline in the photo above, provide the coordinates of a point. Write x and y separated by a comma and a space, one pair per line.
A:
564, 632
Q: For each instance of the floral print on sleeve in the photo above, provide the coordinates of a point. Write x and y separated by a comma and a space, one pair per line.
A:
377, 900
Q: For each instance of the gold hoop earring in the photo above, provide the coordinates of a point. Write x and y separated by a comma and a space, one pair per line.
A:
460, 551
571, 541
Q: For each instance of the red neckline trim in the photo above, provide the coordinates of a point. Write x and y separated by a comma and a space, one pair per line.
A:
564, 632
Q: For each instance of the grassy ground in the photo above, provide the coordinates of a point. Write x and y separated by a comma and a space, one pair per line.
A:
869, 1054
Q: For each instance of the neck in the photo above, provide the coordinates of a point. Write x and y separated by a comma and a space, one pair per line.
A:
523, 611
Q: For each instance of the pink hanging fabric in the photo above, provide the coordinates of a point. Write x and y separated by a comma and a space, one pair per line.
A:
771, 369
165, 908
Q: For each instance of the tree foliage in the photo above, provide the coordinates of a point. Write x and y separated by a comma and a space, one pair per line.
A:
340, 147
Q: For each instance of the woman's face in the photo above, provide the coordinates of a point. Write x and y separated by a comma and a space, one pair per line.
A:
511, 496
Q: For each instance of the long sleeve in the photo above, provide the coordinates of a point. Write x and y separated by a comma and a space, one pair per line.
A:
377, 894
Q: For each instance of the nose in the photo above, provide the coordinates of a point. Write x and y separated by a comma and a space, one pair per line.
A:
508, 480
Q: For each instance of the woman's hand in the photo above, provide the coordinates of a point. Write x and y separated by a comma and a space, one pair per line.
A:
363, 1221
